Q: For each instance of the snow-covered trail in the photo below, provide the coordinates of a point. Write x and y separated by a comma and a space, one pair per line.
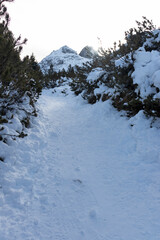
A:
82, 173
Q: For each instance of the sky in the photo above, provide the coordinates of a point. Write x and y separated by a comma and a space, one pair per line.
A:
51, 24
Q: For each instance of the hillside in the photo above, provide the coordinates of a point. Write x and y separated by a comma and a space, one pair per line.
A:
61, 59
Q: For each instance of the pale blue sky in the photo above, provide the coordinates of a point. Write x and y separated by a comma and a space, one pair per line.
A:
50, 24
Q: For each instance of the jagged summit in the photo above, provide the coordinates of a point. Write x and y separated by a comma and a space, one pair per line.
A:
61, 59
66, 49
88, 52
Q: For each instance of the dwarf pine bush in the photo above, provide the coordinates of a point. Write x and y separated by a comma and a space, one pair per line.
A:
19, 79
119, 64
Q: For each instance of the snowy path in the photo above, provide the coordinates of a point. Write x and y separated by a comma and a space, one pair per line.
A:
82, 173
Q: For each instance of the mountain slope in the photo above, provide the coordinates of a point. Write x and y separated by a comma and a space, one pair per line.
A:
61, 59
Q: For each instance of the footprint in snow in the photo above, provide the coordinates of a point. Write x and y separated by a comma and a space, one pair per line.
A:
53, 135
93, 214
77, 181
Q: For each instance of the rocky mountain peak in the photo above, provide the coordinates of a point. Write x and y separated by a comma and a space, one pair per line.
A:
66, 49
61, 59
88, 52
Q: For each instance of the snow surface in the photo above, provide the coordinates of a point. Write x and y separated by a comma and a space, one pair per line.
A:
83, 172
147, 72
95, 74
15, 116
61, 59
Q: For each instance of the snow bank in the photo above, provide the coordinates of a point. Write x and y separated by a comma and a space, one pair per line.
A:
95, 74
147, 72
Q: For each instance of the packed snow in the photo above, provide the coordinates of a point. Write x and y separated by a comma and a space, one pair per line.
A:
83, 172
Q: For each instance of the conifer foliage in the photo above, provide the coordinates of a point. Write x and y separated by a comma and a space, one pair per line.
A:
123, 81
20, 80
114, 74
